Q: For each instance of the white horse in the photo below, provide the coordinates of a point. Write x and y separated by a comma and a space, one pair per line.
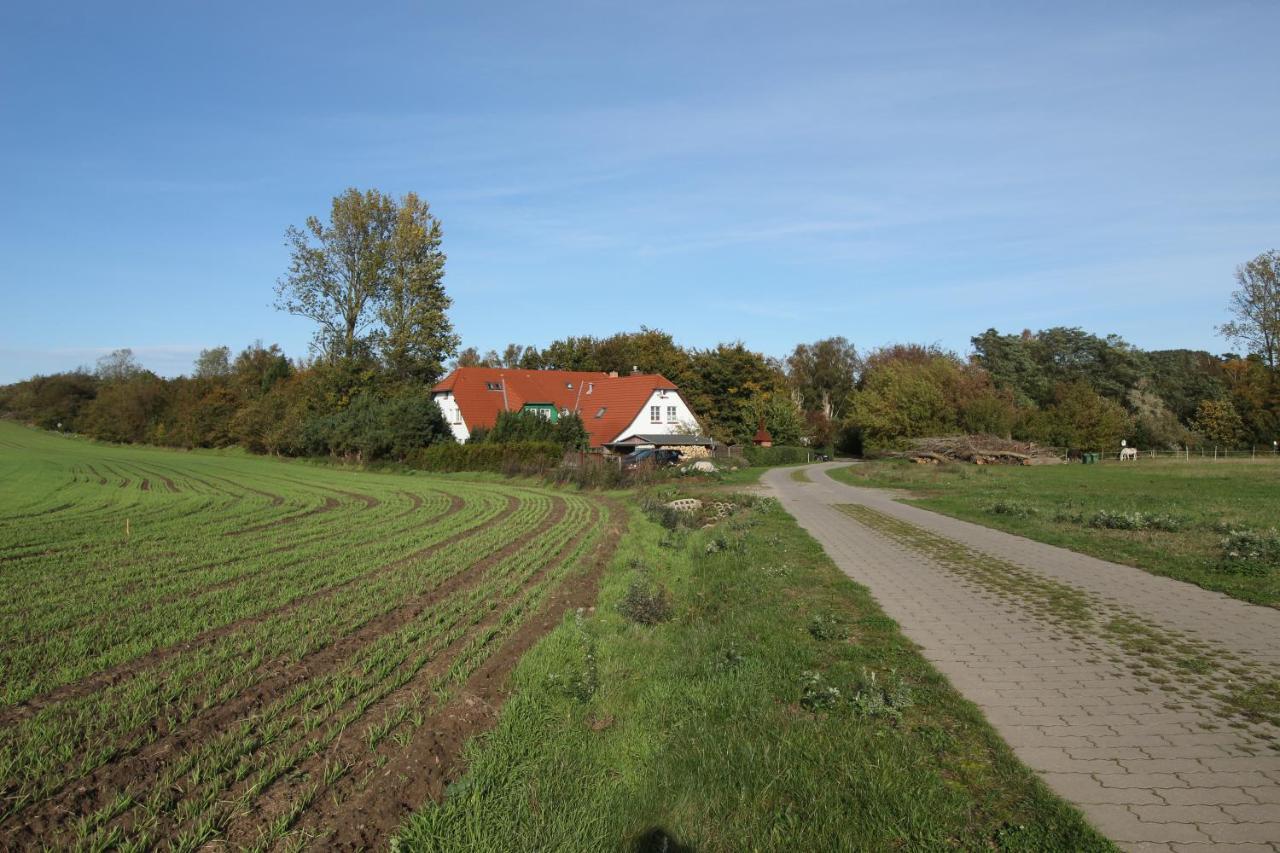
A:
1129, 453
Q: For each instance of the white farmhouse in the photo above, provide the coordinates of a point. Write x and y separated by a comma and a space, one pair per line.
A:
620, 412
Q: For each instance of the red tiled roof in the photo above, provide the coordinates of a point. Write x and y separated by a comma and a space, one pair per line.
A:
621, 397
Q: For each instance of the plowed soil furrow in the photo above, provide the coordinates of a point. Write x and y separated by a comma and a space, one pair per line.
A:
270, 678
116, 674
159, 600
433, 757
349, 749
79, 624
329, 505
278, 678
41, 514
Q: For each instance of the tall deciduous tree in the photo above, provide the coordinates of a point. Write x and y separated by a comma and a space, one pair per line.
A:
1255, 305
118, 366
824, 374
214, 363
1219, 423
371, 279
417, 336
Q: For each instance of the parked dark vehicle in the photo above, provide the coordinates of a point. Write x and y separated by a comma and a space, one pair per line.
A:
659, 458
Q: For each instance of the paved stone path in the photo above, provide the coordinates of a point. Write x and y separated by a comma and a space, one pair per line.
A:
1153, 762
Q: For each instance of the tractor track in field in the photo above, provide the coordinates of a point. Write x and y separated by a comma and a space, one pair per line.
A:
168, 483
114, 675
455, 505
90, 792
329, 505
143, 607
39, 514
433, 757
277, 797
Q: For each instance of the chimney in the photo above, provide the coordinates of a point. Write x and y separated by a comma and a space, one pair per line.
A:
613, 374
634, 370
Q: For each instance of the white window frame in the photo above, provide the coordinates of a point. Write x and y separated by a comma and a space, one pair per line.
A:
655, 414
671, 414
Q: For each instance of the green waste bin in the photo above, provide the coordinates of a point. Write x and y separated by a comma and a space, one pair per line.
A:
1089, 458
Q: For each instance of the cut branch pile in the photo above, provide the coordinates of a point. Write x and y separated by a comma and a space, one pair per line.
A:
977, 449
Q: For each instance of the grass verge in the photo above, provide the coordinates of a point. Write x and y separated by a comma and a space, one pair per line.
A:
1207, 523
756, 699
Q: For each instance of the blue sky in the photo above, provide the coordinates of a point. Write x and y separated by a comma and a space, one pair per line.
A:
767, 172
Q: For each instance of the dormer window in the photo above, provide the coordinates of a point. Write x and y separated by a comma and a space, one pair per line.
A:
493, 386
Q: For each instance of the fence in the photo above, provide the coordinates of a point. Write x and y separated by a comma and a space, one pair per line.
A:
1220, 454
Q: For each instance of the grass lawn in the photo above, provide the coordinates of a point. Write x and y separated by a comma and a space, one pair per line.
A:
775, 708
1167, 517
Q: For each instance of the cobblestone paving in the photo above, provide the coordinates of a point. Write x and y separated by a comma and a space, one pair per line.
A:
1115, 685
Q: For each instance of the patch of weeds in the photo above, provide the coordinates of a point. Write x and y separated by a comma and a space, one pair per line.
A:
815, 694
1256, 702
827, 626
1196, 664
1110, 520
674, 539
646, 603
730, 659
1250, 552
881, 697
780, 571
720, 543
1013, 509
578, 682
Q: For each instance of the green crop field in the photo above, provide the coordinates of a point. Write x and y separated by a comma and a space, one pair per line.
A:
1208, 523
202, 647
212, 650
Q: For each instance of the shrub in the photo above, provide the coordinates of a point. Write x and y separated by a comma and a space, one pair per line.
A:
525, 457
776, 455
373, 428
646, 603
567, 430
1249, 552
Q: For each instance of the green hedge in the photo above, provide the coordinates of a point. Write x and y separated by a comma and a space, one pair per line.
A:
776, 455
519, 457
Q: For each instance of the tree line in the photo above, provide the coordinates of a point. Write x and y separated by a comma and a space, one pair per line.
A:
370, 278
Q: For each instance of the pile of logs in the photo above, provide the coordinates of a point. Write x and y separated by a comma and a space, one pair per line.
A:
977, 449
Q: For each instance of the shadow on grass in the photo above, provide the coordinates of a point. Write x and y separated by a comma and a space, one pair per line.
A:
658, 840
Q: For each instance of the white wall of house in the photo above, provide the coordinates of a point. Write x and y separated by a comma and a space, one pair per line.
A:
673, 417
452, 414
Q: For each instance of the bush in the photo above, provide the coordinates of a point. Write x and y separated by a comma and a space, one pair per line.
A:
646, 603
373, 428
523, 457
597, 476
1249, 552
764, 456
568, 431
